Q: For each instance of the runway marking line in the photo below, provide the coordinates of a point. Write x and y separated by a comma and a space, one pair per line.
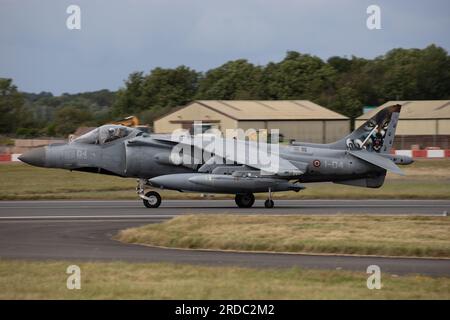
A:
188, 200
168, 216
306, 206
85, 217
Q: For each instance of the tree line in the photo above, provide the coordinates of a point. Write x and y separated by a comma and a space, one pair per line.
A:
342, 84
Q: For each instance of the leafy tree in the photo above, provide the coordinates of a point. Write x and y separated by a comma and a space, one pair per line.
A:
50, 130
27, 132
129, 98
11, 103
298, 76
410, 74
347, 102
169, 87
340, 64
234, 80
68, 119
340, 83
433, 74
160, 89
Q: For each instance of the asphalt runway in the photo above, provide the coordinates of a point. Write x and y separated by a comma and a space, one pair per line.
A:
82, 231
176, 207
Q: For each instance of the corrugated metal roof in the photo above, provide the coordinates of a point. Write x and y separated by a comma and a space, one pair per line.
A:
271, 109
416, 109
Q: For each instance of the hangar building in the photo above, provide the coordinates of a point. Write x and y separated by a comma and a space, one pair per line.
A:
296, 119
422, 123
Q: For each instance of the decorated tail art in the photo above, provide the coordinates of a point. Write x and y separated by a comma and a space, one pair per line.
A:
377, 133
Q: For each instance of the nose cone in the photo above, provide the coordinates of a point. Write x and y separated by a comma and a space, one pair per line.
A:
35, 157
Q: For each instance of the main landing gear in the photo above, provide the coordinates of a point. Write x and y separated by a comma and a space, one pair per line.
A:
246, 200
151, 199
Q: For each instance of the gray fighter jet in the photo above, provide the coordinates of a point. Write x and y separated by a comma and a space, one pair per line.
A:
166, 162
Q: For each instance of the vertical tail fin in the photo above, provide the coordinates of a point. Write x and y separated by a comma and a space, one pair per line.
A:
376, 134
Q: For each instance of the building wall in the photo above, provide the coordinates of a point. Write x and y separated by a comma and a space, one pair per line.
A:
336, 130
318, 131
193, 112
307, 131
416, 127
444, 126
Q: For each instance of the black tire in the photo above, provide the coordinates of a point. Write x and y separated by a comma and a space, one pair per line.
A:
269, 203
155, 199
245, 200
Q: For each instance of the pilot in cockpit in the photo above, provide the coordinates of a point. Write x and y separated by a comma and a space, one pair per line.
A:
104, 134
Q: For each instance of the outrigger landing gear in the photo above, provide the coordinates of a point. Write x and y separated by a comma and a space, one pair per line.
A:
245, 200
151, 199
269, 202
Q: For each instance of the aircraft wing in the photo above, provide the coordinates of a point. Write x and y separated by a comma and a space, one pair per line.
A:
262, 156
376, 160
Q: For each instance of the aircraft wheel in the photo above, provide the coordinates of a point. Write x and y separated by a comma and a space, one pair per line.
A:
154, 199
245, 200
269, 203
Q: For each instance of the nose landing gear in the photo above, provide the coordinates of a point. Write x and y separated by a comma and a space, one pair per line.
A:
151, 199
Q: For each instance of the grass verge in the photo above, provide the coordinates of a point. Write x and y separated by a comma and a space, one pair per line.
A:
340, 234
426, 179
118, 280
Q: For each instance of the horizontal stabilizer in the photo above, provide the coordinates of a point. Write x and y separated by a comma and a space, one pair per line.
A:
376, 160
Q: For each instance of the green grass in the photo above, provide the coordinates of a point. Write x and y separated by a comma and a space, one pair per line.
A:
338, 234
426, 179
118, 280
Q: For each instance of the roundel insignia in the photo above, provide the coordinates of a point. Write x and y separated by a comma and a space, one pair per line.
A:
316, 163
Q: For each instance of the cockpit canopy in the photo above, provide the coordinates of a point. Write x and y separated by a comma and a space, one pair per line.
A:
104, 134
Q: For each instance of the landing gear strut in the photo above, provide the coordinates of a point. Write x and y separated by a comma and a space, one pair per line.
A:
151, 199
269, 202
245, 200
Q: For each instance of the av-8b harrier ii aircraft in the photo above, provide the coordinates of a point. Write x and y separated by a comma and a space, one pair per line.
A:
232, 166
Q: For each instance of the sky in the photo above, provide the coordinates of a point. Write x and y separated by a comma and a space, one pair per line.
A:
40, 53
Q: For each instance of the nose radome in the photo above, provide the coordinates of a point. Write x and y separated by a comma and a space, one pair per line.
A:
35, 157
